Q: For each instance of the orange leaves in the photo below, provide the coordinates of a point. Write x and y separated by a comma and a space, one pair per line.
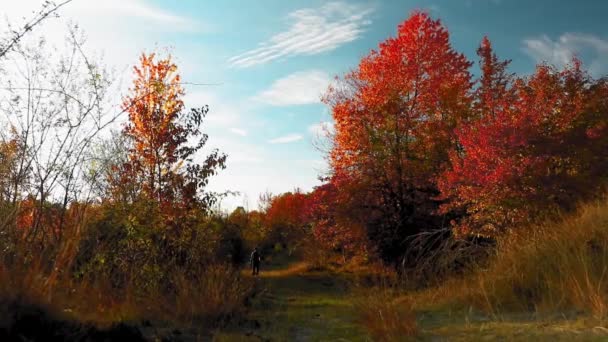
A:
289, 210
163, 139
154, 105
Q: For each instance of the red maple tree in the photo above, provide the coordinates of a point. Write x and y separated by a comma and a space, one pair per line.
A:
395, 117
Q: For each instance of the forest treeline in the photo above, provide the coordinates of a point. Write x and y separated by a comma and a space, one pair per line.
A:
115, 225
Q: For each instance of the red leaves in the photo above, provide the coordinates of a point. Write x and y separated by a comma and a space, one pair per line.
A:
516, 160
411, 91
505, 150
289, 210
333, 227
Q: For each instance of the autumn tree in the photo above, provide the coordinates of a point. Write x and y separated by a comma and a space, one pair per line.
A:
494, 90
335, 226
155, 215
537, 145
287, 218
394, 119
161, 158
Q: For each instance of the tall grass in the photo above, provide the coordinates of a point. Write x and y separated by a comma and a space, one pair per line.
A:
50, 282
384, 318
560, 267
554, 267
206, 301
557, 269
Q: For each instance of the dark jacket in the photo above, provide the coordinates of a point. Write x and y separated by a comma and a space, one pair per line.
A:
255, 258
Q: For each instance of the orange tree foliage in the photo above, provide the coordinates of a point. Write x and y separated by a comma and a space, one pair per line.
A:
538, 145
395, 117
287, 217
161, 164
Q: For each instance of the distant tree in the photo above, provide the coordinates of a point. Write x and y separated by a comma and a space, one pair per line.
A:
288, 218
239, 217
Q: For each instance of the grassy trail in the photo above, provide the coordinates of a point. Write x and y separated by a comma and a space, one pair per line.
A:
294, 304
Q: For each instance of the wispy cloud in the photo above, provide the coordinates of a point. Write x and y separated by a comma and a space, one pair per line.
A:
140, 9
286, 139
222, 114
238, 131
312, 31
321, 129
303, 87
126, 26
562, 50
433, 8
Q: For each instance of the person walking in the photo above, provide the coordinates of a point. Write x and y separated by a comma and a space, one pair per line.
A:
255, 262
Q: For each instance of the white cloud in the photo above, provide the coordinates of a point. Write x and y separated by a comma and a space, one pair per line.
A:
321, 129
238, 131
273, 175
286, 139
238, 152
117, 29
138, 8
303, 87
561, 51
312, 31
222, 112
97, 10
225, 116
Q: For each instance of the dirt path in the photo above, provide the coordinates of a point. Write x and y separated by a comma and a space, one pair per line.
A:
296, 305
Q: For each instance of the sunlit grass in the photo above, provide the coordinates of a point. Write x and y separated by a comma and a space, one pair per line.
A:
543, 282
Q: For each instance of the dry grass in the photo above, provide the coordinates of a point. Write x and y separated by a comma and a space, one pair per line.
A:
556, 267
559, 268
554, 273
214, 295
49, 281
218, 293
384, 318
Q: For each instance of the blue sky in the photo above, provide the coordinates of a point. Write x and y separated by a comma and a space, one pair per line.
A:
271, 60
